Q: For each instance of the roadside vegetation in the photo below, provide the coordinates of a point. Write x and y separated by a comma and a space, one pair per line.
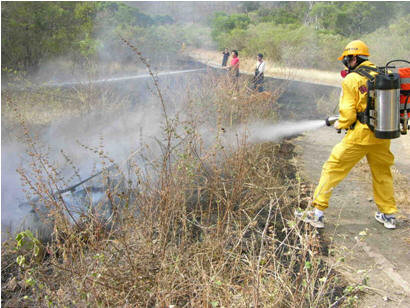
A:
75, 36
312, 34
72, 36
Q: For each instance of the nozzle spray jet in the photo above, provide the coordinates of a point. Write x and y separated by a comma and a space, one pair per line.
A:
331, 120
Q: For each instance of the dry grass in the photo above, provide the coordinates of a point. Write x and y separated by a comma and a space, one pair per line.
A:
207, 225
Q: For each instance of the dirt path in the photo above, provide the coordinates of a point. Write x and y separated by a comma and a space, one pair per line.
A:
213, 58
368, 248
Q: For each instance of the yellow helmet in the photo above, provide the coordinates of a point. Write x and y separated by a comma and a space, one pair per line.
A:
355, 48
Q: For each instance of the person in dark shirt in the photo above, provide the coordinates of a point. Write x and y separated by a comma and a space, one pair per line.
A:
225, 57
259, 71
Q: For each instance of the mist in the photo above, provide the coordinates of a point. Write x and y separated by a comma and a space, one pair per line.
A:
262, 132
131, 119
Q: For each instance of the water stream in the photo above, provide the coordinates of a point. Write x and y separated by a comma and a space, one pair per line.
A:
118, 79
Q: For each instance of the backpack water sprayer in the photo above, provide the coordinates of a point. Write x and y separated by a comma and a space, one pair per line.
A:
388, 101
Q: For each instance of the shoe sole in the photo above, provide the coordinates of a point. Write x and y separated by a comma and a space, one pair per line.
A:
313, 224
307, 220
384, 224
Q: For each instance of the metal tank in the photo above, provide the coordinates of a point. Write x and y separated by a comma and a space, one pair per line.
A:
387, 106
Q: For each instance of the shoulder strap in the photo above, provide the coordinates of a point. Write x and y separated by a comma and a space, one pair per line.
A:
365, 117
365, 71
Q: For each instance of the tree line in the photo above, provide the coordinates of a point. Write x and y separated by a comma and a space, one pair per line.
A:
33, 31
309, 34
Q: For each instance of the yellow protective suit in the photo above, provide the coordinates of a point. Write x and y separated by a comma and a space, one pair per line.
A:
357, 143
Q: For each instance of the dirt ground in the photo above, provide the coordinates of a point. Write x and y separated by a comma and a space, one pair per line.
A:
372, 254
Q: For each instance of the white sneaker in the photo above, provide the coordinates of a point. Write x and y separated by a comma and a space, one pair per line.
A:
388, 222
309, 217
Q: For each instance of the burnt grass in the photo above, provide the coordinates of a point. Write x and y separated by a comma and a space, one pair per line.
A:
297, 102
284, 169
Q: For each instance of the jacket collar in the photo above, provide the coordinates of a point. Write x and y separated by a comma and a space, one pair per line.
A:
365, 63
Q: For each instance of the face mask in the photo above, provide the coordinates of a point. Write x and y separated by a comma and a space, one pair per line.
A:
345, 61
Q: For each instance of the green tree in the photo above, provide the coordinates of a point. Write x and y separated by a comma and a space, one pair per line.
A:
224, 24
33, 31
352, 18
285, 13
249, 6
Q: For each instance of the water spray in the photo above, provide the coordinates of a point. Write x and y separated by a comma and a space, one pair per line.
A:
331, 120
118, 79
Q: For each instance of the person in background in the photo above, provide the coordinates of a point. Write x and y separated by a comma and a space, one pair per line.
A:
259, 71
226, 55
234, 68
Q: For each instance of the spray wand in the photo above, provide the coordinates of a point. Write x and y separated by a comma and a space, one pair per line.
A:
331, 120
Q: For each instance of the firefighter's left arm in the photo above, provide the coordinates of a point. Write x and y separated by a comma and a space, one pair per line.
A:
347, 104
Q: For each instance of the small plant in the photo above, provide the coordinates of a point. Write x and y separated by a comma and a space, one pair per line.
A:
28, 245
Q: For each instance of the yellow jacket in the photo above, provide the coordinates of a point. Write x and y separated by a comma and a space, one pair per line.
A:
353, 99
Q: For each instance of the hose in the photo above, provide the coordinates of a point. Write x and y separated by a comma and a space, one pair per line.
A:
399, 60
387, 64
405, 116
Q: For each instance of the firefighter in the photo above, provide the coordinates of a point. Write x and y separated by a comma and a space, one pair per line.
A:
359, 141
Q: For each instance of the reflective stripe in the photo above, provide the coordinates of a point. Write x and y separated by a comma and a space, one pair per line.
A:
404, 73
405, 83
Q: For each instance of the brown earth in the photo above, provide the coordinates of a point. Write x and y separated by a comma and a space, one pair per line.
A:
372, 254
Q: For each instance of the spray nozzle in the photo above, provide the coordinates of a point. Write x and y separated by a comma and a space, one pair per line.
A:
331, 120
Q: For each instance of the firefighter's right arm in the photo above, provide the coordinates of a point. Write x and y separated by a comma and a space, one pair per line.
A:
347, 104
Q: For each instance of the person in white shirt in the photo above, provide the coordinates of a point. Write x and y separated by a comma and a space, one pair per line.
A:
260, 69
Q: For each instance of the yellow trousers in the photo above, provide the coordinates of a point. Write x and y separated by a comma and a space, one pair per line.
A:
343, 158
